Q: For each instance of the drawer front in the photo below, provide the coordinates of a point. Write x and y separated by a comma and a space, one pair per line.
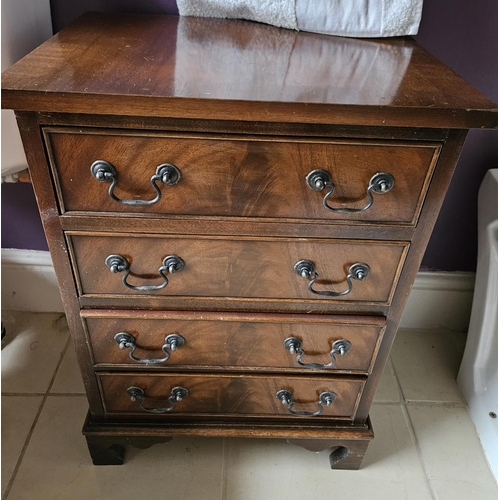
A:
240, 177
261, 268
233, 341
230, 395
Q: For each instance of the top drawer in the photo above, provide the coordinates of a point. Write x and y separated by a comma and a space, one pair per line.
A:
240, 176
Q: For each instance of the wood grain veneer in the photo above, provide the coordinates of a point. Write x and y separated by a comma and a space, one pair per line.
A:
240, 176
229, 395
250, 267
234, 341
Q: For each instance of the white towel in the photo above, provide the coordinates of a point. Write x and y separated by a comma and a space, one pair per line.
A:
360, 18
353, 18
279, 13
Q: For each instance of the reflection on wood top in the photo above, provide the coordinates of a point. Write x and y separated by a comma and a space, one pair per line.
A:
166, 66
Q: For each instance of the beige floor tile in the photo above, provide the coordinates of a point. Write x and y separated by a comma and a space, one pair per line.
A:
31, 350
18, 415
387, 390
427, 363
452, 453
57, 464
68, 379
274, 469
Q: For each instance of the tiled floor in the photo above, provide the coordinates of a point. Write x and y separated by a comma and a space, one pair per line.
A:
425, 447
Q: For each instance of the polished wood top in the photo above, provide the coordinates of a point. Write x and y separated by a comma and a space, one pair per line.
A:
166, 66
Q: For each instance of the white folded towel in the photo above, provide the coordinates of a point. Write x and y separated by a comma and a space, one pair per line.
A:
354, 18
279, 13
359, 18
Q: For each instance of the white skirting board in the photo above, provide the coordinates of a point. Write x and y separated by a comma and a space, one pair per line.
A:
440, 300
437, 300
29, 281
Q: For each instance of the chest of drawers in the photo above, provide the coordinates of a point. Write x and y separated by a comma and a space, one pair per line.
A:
236, 214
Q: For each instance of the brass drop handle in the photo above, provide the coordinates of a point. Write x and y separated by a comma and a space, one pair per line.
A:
286, 398
127, 341
307, 270
320, 179
119, 264
294, 345
166, 174
177, 394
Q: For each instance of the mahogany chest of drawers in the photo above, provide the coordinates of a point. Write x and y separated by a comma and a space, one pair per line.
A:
236, 214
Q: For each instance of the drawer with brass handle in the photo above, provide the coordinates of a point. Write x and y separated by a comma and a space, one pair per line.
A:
165, 395
169, 340
110, 264
265, 177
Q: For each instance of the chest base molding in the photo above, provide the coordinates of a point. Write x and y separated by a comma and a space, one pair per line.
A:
107, 442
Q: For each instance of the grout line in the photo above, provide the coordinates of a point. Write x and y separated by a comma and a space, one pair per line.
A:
66, 394
58, 367
413, 434
35, 421
224, 470
27, 394
41, 394
387, 403
25, 446
414, 438
416, 402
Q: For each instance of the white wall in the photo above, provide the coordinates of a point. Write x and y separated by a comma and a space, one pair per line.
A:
25, 25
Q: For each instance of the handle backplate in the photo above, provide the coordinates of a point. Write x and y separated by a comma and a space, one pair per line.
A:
294, 345
286, 397
166, 174
118, 263
127, 341
319, 179
177, 394
306, 269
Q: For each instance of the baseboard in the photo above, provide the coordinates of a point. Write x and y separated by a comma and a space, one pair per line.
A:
29, 281
437, 300
440, 300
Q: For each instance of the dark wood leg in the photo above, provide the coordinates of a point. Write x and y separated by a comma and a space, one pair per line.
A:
106, 450
347, 453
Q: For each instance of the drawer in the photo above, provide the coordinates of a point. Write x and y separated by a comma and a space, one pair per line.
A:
229, 395
259, 268
240, 176
236, 341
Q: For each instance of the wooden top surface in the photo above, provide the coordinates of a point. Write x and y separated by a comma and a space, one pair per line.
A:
166, 66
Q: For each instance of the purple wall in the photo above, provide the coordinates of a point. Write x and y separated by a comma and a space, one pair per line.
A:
463, 34
21, 224
63, 12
